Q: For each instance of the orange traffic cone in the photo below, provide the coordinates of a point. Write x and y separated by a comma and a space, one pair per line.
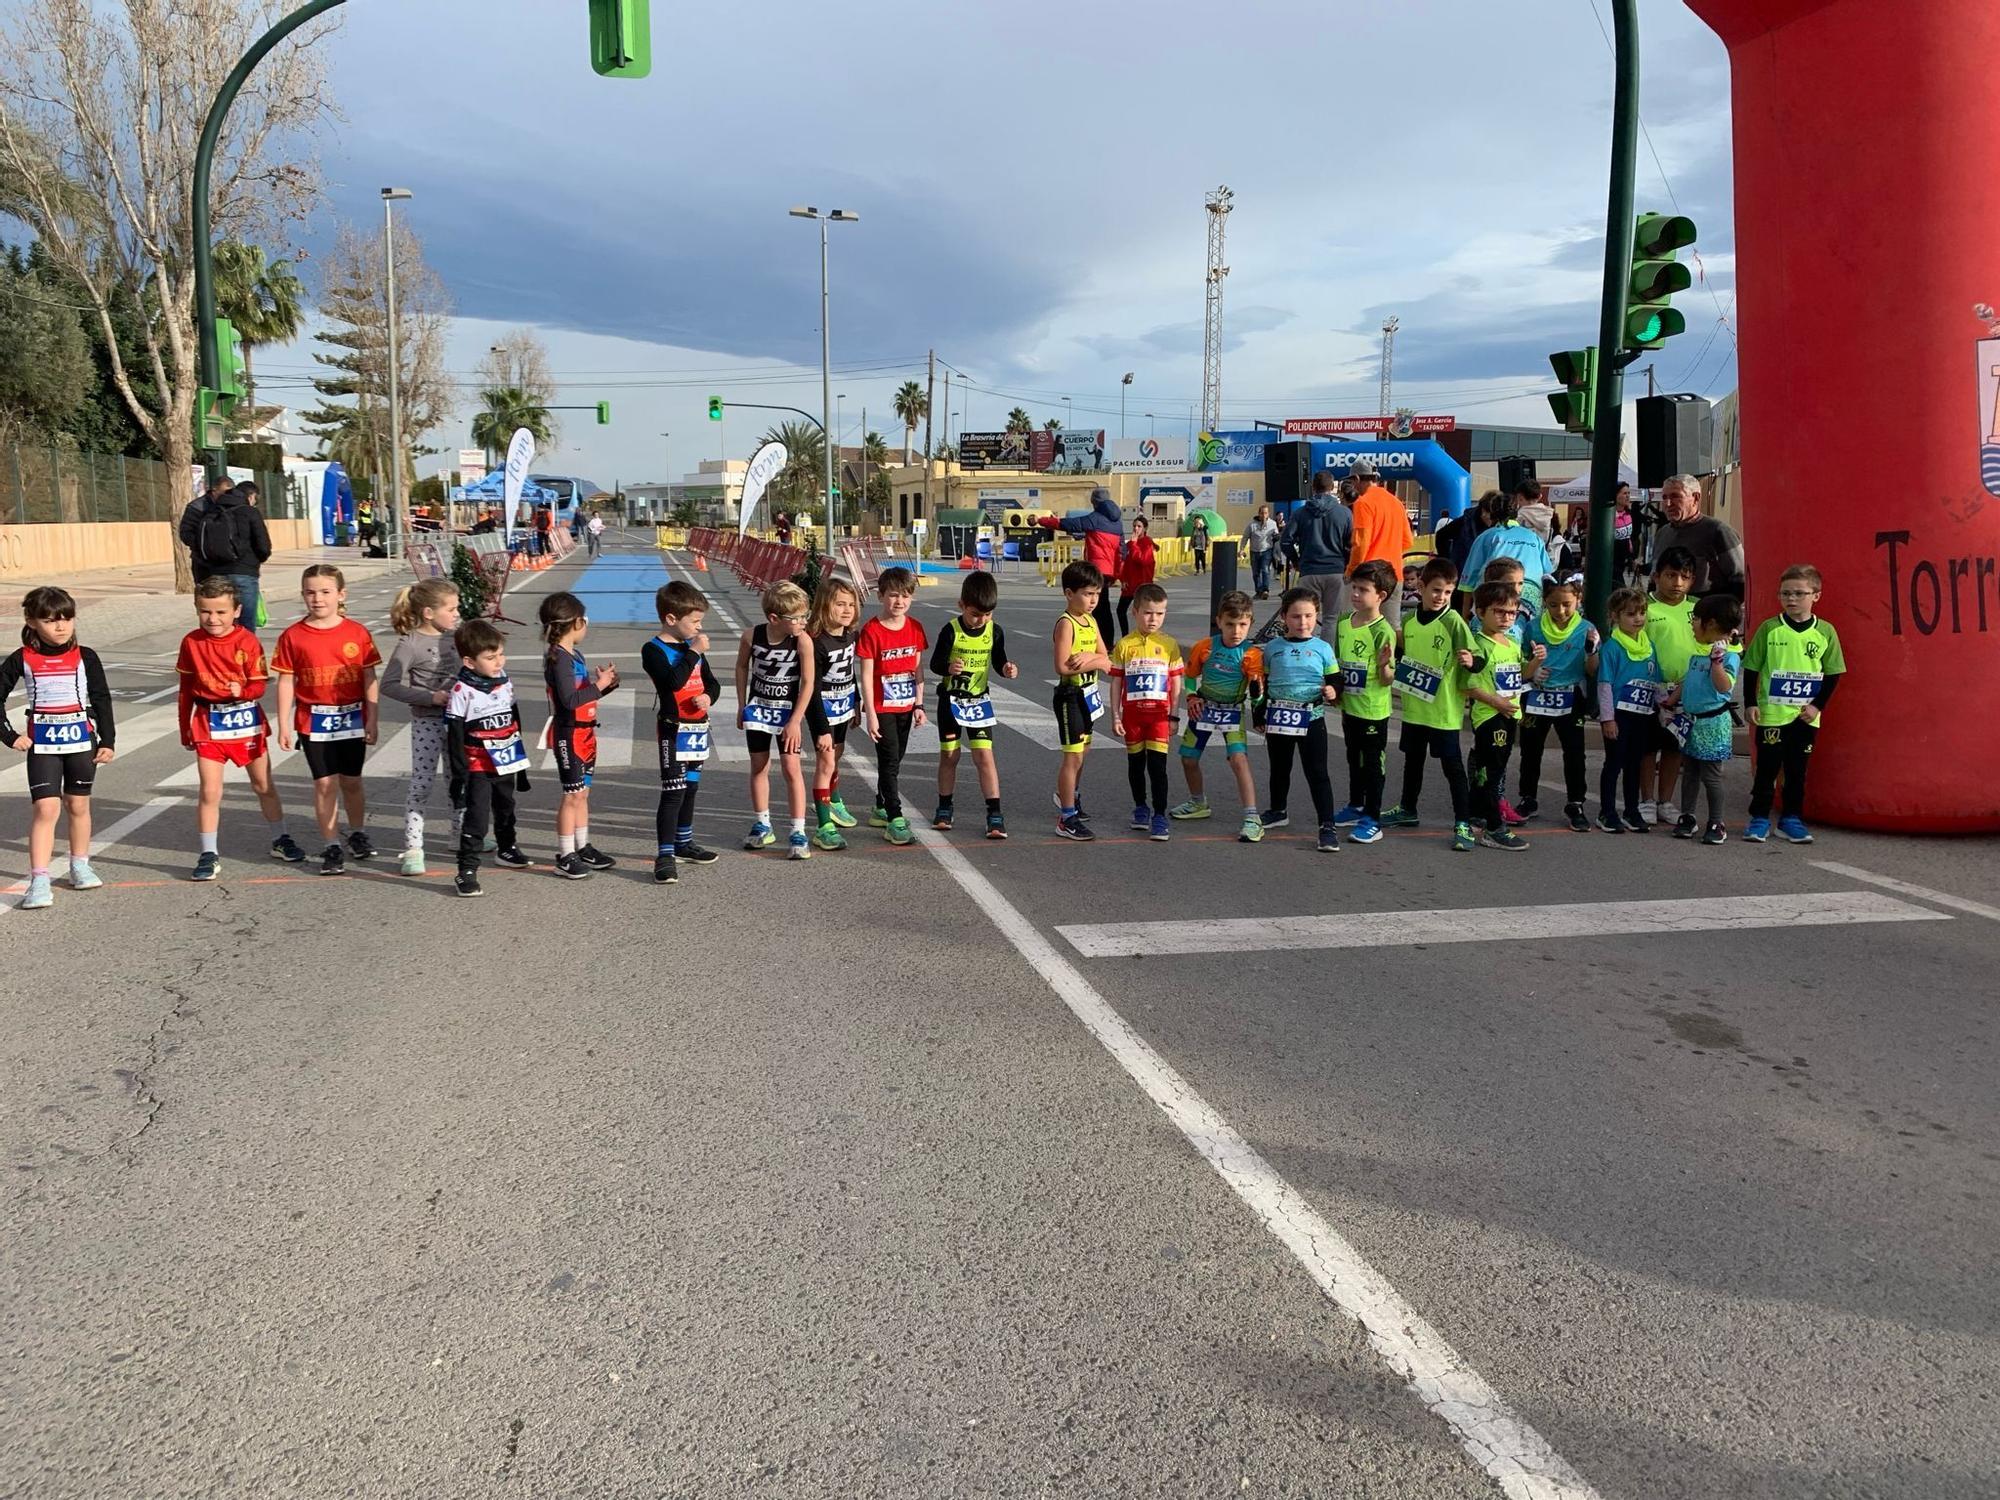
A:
700, 563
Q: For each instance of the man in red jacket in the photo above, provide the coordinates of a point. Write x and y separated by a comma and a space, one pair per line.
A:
1102, 528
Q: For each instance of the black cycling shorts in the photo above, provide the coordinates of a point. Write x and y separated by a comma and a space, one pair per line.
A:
326, 758
69, 775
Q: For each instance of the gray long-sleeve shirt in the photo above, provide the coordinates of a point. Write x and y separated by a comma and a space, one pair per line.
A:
420, 666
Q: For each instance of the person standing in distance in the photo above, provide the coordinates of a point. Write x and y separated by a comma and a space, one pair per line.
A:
225, 535
1382, 532
1261, 535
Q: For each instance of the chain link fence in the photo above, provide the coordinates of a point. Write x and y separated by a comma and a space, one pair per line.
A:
50, 486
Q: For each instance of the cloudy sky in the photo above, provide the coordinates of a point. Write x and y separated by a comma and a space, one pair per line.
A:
1030, 183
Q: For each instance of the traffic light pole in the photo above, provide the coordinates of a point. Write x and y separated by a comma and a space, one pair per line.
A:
1618, 228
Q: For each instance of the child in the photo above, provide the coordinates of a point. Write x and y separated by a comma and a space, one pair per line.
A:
420, 672
835, 610
1670, 627
69, 733
1791, 670
1365, 642
327, 695
1225, 682
574, 693
1304, 676
676, 661
1509, 571
1627, 704
1498, 680
483, 729
774, 686
970, 649
1704, 710
890, 654
223, 677
1146, 675
1079, 657
1555, 700
1435, 652
1413, 589
1137, 564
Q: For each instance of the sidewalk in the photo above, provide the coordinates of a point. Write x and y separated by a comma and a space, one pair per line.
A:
118, 604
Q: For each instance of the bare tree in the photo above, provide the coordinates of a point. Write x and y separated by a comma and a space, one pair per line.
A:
101, 107
519, 360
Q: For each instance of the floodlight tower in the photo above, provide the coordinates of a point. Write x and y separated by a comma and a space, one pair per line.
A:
1389, 327
1219, 204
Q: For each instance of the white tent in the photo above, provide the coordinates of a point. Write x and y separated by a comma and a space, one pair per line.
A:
1577, 491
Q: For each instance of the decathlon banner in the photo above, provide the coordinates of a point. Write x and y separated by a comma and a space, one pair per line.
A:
766, 464
520, 456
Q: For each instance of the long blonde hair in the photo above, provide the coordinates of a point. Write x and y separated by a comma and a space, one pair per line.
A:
407, 612
829, 589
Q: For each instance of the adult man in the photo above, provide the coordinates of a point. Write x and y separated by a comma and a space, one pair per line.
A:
1262, 536
226, 538
595, 532
1717, 549
1382, 531
1318, 541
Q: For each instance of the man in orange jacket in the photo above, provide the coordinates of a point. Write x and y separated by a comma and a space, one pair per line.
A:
1382, 531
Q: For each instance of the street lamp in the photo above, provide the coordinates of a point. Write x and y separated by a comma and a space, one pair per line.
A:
393, 535
667, 456
840, 216
1149, 424
1124, 385
839, 426
1069, 414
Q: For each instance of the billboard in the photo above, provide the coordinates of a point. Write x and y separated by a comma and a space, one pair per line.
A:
1079, 452
1403, 424
993, 450
1147, 455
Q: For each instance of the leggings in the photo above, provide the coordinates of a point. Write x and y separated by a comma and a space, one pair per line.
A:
1145, 766
1492, 745
889, 753
1785, 749
1311, 750
1367, 762
427, 742
1637, 735
1701, 776
1420, 741
673, 823
1569, 734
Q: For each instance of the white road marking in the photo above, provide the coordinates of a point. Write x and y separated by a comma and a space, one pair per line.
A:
1921, 892
100, 841
140, 732
1488, 924
1037, 721
165, 692
1511, 1452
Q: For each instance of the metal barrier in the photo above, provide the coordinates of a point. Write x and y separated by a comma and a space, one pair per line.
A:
1057, 553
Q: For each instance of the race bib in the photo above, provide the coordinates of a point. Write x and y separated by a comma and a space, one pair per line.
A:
1418, 680
59, 734
1549, 703
1507, 681
508, 755
1638, 696
1794, 687
691, 742
839, 706
235, 721
1282, 716
900, 691
335, 721
974, 713
765, 718
1146, 682
1093, 702
1353, 679
1680, 726
1220, 715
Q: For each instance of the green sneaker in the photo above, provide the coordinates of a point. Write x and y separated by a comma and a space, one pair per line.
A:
897, 831
838, 811
1252, 831
1194, 807
1399, 817
878, 818
829, 836
1462, 841
412, 862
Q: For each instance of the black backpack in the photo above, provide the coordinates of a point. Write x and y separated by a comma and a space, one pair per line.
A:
215, 536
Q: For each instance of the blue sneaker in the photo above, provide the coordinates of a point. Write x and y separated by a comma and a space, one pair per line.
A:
1348, 816
1162, 829
800, 849
1756, 830
1367, 831
759, 837
1329, 841
1142, 819
1794, 831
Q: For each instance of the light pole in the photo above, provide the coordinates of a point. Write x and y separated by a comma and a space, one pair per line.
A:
1069, 414
841, 216
1124, 385
667, 456
393, 533
1151, 430
839, 426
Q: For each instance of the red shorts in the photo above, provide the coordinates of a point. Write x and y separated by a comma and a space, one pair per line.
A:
1146, 727
232, 752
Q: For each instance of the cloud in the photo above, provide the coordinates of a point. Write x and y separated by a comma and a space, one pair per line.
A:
1170, 339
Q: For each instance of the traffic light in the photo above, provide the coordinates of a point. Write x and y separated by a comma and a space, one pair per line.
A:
210, 431
229, 387
604, 414
621, 38
715, 408
1575, 405
1657, 274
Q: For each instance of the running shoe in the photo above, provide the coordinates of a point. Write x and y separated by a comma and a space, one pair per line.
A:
759, 837
798, 847
1142, 819
941, 819
691, 853
1649, 812
1794, 831
1162, 828
1503, 838
1252, 831
1756, 830
592, 858
412, 862
1399, 816
840, 814
1194, 807
1525, 809
1367, 831
1610, 822
467, 883
879, 818
489, 845
1579, 821
333, 861
208, 866
1081, 811
664, 870
1348, 816
1329, 839
513, 858
1510, 816
83, 878
828, 836
1636, 820
41, 894
285, 847
1461, 838
899, 831
1073, 827
1687, 826
1275, 817
569, 867
362, 846
1715, 834
996, 826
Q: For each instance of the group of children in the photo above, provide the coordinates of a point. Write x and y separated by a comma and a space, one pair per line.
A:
1660, 688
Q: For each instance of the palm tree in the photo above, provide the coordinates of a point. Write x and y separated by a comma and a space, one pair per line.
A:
263, 299
504, 409
874, 450
798, 483
1018, 420
1053, 424
912, 406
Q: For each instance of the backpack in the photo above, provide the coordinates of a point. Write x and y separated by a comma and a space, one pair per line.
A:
215, 537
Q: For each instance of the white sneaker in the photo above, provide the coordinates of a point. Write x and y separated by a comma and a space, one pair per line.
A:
412, 862
40, 894
1650, 811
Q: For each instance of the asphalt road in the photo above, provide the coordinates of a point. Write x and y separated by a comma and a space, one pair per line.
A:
868, 1177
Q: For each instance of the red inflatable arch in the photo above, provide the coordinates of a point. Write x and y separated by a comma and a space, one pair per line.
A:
1868, 267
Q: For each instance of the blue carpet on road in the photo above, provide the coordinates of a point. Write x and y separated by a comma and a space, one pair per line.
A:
618, 589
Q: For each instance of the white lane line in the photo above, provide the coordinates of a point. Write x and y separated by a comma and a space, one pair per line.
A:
165, 692
1037, 721
1921, 892
100, 841
1489, 924
141, 731
1516, 1456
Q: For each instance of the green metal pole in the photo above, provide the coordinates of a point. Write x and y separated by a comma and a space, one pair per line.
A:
204, 160
1611, 320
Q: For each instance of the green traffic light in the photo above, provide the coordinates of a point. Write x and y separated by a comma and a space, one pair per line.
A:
621, 38
604, 414
715, 408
